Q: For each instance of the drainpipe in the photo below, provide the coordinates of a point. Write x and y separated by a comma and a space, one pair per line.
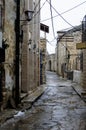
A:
17, 29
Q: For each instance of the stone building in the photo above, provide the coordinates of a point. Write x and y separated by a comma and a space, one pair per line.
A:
82, 46
29, 58
84, 71
73, 56
30, 54
66, 49
7, 39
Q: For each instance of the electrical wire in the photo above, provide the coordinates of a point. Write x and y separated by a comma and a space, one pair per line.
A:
58, 14
74, 29
61, 16
65, 21
53, 39
35, 15
40, 9
49, 43
52, 20
65, 11
37, 4
58, 39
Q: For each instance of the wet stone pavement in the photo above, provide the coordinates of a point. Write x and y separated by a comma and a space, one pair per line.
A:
59, 108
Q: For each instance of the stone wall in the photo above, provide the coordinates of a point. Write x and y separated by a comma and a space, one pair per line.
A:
42, 61
9, 35
84, 70
77, 76
30, 50
24, 60
66, 50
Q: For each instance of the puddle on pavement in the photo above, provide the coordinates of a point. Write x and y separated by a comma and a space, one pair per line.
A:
58, 109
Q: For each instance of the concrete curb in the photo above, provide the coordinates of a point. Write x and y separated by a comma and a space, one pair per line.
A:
35, 95
78, 89
28, 101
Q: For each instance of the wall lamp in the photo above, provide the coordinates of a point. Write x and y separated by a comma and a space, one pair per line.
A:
28, 15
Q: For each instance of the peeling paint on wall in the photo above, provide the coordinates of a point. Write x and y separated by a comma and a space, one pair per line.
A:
9, 34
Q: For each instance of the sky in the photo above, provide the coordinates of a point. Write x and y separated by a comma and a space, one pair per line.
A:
74, 10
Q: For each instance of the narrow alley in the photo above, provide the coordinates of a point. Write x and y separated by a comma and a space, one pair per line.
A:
59, 108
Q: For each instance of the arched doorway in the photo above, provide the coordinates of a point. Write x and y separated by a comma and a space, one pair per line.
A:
49, 65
